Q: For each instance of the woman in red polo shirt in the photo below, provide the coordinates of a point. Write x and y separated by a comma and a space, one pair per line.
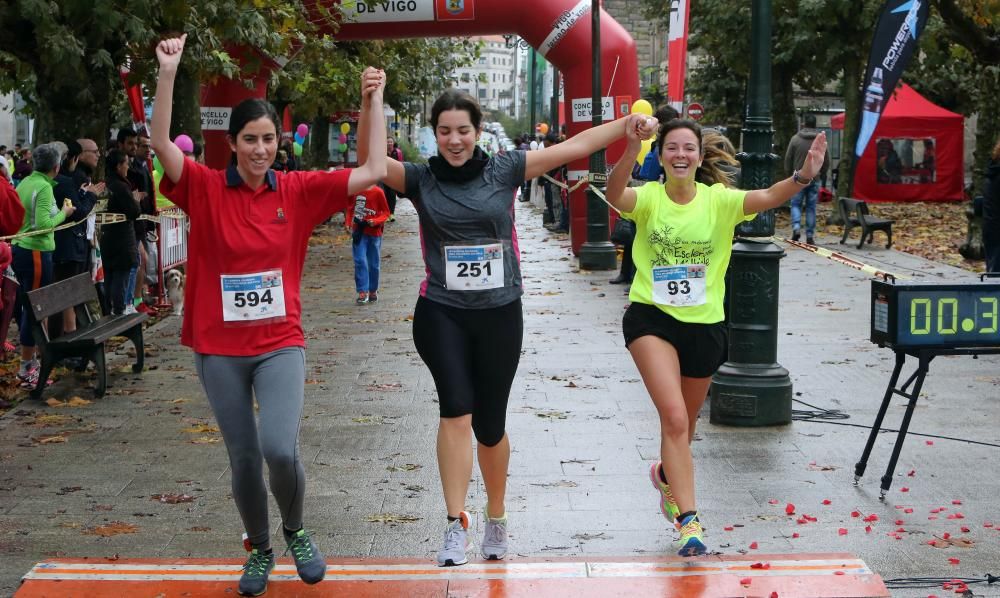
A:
249, 234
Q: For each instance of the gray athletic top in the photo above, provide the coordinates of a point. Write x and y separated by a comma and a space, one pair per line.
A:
469, 220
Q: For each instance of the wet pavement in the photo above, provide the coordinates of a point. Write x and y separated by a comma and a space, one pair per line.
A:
142, 472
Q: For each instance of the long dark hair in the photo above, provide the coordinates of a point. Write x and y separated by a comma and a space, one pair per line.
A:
112, 160
456, 99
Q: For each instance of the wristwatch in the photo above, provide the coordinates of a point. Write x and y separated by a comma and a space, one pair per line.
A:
801, 181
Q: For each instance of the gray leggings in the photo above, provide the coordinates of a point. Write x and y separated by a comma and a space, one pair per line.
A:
277, 379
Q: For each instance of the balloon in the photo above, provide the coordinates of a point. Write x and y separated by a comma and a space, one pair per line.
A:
642, 107
543, 128
299, 138
185, 143
343, 148
157, 166
647, 145
297, 149
342, 138
302, 129
345, 128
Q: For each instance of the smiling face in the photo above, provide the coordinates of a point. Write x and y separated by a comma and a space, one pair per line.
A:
681, 153
456, 136
255, 147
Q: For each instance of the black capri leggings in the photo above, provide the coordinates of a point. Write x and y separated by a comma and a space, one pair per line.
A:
472, 355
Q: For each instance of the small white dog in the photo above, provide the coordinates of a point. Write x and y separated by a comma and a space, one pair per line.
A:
175, 289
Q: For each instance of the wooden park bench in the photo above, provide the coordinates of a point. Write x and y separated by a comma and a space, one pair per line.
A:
855, 213
87, 341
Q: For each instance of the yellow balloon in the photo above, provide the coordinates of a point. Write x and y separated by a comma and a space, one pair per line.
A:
345, 128
647, 145
544, 128
642, 107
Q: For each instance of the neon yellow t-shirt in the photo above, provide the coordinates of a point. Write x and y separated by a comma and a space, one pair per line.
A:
670, 236
162, 202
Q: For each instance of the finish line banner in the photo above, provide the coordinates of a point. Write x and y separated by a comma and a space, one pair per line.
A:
899, 27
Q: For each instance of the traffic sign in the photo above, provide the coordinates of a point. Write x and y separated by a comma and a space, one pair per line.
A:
695, 111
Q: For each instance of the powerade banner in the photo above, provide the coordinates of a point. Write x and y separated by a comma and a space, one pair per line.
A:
899, 27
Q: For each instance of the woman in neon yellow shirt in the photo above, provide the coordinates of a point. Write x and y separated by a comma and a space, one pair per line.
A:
674, 329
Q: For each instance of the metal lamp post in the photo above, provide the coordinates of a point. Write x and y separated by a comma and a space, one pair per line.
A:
597, 252
751, 388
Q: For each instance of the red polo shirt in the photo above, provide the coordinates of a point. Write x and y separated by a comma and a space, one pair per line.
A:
238, 231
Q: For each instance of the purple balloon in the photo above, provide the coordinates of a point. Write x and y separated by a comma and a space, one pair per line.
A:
302, 129
342, 138
185, 143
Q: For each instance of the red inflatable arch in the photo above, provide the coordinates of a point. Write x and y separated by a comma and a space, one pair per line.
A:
558, 29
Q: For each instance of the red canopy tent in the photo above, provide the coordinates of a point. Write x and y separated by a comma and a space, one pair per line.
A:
900, 163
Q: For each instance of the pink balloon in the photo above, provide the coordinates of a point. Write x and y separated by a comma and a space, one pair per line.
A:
302, 129
342, 138
185, 143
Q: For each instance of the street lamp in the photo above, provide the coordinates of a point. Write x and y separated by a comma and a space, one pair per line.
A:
751, 388
597, 252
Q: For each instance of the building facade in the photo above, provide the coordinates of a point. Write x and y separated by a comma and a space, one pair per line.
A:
491, 80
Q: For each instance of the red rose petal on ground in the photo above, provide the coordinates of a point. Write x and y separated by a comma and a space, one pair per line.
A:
904, 489
802, 521
795, 534
959, 516
932, 542
946, 535
871, 518
760, 566
899, 522
838, 573
753, 546
937, 510
745, 581
912, 473
868, 529
930, 442
728, 528
826, 501
988, 524
965, 529
855, 514
789, 509
774, 595
773, 501
900, 530
956, 502
954, 561
842, 531
907, 511
809, 518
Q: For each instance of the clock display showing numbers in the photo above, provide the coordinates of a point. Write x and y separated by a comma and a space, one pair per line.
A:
935, 315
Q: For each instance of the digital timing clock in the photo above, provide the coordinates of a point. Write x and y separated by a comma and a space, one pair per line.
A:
935, 316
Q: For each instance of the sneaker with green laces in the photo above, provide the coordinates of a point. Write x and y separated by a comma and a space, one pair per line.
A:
692, 537
494, 546
309, 561
668, 506
259, 564
456, 542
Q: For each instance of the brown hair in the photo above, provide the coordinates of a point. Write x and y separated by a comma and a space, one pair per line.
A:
718, 165
455, 99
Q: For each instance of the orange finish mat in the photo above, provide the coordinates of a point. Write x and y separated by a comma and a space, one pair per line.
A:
782, 575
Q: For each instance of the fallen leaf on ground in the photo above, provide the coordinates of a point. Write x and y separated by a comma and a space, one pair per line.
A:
172, 498
391, 518
114, 528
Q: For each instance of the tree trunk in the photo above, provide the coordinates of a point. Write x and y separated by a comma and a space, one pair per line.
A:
186, 114
785, 121
319, 141
988, 125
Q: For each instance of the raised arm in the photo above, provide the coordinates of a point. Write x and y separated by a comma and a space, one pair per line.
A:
582, 144
168, 53
371, 133
618, 193
395, 176
759, 200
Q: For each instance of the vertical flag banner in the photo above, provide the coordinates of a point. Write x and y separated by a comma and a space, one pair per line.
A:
677, 49
899, 26
135, 102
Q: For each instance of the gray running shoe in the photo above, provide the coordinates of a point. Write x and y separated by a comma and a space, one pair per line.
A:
494, 546
309, 561
456, 542
253, 582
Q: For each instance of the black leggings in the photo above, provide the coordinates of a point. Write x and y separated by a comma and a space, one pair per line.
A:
472, 355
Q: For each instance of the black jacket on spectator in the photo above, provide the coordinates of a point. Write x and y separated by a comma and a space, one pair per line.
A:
71, 243
118, 244
142, 180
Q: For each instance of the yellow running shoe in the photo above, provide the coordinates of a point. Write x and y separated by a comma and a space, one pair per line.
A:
692, 537
668, 506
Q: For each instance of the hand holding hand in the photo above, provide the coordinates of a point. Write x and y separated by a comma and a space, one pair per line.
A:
814, 161
169, 51
372, 85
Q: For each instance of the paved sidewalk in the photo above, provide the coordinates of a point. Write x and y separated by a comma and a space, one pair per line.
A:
146, 459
